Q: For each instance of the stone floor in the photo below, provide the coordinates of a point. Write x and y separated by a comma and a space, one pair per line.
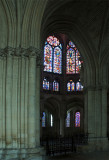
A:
81, 156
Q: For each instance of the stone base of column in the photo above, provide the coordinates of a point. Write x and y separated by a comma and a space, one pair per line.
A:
94, 144
22, 154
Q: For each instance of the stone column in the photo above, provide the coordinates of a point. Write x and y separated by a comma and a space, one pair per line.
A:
1, 101
62, 118
14, 101
4, 104
22, 91
98, 104
41, 114
104, 112
62, 125
19, 104
32, 102
91, 112
9, 101
38, 68
104, 119
26, 102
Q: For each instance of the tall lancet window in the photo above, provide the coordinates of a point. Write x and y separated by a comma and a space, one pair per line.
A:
51, 120
68, 120
77, 119
79, 86
55, 86
70, 86
43, 119
73, 63
53, 55
46, 84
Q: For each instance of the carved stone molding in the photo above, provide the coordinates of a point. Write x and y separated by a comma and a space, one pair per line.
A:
27, 52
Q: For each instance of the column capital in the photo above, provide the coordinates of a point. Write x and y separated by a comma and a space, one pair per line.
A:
20, 52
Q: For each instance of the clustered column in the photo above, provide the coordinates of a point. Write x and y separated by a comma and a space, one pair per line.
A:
20, 97
96, 116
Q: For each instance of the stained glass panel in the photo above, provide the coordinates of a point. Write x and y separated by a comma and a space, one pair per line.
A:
70, 61
68, 120
78, 62
53, 41
48, 58
71, 44
77, 119
55, 86
73, 64
45, 84
70, 86
57, 60
43, 120
79, 87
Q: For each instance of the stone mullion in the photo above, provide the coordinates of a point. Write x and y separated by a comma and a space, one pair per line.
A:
32, 103
1, 101
14, 101
18, 103
22, 89
9, 102
4, 103
26, 102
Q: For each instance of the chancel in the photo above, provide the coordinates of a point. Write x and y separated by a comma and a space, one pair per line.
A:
54, 78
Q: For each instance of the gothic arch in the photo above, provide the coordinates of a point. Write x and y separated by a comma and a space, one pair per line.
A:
85, 47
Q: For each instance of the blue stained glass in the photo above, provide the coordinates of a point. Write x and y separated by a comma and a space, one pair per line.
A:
45, 84
77, 119
43, 119
57, 60
71, 44
70, 86
79, 87
68, 120
55, 86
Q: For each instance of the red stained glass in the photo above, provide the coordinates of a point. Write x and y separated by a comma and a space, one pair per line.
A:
73, 64
48, 58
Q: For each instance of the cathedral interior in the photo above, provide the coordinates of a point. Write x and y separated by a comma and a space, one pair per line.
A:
54, 79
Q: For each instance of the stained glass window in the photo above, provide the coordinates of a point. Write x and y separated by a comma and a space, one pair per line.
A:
51, 122
53, 55
73, 63
57, 60
48, 58
55, 86
79, 87
43, 120
77, 119
68, 119
70, 86
45, 84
